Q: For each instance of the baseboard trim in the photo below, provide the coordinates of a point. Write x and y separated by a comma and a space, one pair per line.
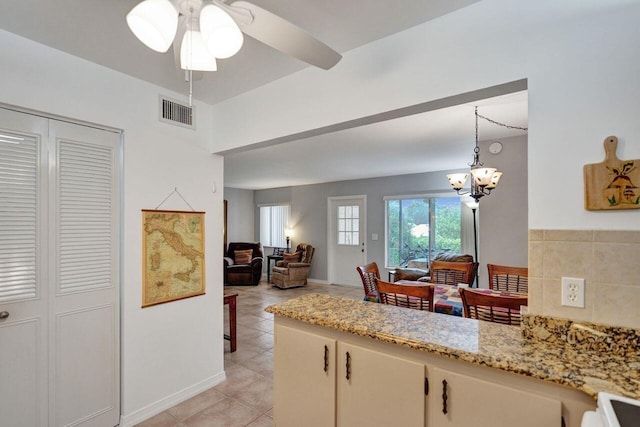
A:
155, 408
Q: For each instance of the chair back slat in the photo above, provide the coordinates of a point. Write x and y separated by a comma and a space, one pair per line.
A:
503, 309
414, 297
508, 279
451, 273
369, 274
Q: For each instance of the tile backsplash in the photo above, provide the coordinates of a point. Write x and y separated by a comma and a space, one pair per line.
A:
609, 261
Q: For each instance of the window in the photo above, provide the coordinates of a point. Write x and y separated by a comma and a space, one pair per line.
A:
349, 225
417, 228
273, 220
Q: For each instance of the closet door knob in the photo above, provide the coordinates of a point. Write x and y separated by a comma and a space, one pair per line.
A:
4, 315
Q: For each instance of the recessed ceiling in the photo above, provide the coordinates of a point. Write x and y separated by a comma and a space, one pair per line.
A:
437, 140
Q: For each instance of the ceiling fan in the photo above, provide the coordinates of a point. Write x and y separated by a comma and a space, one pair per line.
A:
203, 30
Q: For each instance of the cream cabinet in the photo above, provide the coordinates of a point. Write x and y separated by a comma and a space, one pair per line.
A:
304, 379
325, 377
376, 389
316, 386
457, 400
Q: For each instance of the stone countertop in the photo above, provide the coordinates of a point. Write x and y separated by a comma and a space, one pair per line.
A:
482, 343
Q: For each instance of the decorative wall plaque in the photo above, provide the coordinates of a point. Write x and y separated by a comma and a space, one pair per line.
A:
613, 183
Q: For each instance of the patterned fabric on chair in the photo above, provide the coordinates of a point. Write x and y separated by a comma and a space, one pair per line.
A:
287, 274
369, 274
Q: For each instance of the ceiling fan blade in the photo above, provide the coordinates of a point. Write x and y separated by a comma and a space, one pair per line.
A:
282, 35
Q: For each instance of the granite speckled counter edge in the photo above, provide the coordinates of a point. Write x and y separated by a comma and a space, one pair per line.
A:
537, 349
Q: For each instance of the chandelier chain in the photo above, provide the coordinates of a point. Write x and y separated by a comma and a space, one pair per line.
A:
497, 123
476, 149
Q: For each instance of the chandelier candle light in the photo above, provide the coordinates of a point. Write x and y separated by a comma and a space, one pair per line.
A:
483, 180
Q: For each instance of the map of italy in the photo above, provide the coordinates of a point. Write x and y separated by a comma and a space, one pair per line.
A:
174, 255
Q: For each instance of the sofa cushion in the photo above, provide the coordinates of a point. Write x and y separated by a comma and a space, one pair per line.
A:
243, 257
453, 257
409, 274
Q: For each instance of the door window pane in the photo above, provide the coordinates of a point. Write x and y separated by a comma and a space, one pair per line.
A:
349, 225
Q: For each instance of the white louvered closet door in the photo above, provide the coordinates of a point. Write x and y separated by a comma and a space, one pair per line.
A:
23, 291
59, 274
83, 272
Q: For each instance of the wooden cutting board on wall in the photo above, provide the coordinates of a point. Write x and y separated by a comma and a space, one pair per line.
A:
612, 184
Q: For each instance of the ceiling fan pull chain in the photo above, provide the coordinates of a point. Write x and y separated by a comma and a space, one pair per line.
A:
190, 87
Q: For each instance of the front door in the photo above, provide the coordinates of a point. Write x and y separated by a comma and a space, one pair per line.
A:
347, 235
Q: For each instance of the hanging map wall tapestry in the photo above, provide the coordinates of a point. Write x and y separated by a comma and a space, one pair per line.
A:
173, 256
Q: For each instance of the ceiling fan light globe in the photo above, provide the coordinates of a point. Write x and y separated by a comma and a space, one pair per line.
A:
220, 32
194, 54
154, 23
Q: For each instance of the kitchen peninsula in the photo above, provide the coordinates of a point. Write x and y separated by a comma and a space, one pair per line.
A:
346, 362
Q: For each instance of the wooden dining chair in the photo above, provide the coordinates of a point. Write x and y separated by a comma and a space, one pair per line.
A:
451, 273
495, 308
407, 296
369, 274
508, 279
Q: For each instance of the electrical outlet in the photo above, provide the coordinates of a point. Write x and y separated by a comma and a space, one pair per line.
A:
573, 292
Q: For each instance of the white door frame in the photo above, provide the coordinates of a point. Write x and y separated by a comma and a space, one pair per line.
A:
331, 237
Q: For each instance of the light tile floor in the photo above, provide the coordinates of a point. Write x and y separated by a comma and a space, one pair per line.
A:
245, 398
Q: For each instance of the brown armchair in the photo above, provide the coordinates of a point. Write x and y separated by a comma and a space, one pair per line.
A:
243, 273
293, 274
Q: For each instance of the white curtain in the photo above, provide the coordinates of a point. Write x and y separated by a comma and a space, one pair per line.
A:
273, 221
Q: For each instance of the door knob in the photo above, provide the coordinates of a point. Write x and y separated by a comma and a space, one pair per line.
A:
4, 315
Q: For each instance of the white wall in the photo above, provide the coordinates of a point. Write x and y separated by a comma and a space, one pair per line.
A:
580, 59
502, 216
171, 350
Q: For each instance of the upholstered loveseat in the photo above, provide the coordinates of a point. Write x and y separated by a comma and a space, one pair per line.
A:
238, 271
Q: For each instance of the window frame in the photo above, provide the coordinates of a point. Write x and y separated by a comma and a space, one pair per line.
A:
432, 206
274, 243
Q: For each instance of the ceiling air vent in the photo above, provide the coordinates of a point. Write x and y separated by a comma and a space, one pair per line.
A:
175, 113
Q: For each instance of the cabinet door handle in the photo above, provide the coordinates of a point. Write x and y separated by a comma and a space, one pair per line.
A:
348, 366
444, 396
326, 358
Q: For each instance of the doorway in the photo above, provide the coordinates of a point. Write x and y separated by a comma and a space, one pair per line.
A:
346, 240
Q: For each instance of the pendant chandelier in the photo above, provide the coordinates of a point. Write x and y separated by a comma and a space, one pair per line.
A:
483, 180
